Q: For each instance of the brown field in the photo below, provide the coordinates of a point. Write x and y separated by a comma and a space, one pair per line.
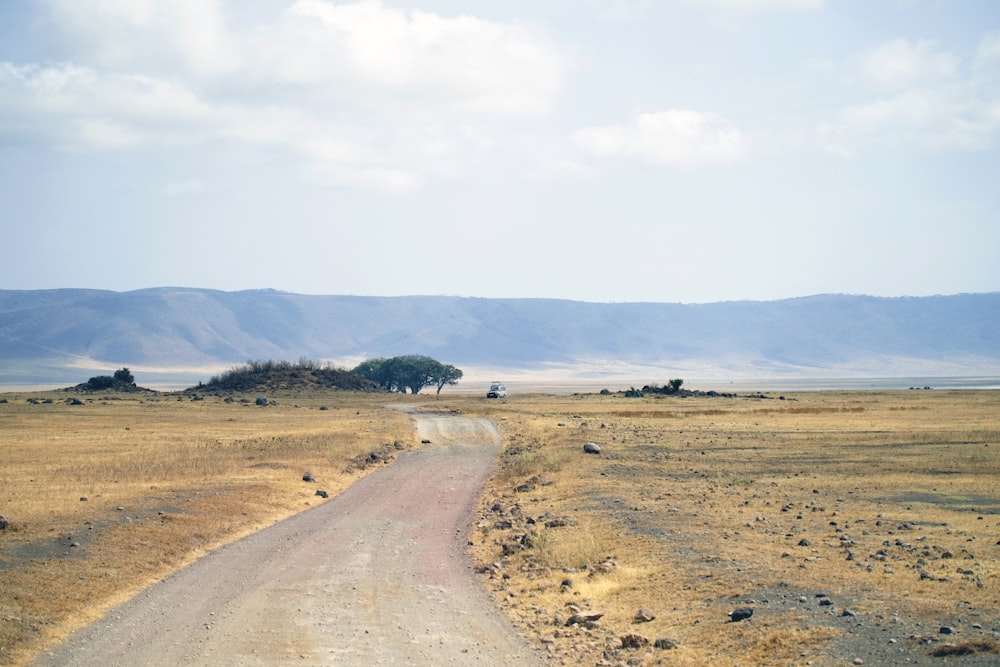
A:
107, 497
886, 503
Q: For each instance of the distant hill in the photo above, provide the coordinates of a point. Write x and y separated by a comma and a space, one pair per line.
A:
61, 336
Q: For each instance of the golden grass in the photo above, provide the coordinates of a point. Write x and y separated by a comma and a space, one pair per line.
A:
695, 506
707, 504
107, 497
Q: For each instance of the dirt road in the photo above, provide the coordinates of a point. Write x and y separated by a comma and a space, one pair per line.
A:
376, 576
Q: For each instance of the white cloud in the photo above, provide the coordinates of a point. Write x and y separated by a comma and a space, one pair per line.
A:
464, 62
931, 101
901, 63
141, 34
75, 107
359, 93
675, 138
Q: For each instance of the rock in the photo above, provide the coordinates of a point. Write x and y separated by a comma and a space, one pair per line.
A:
262, 400
740, 614
3, 522
946, 630
665, 644
644, 616
322, 493
560, 522
605, 566
524, 488
633, 640
804, 542
584, 617
308, 477
591, 448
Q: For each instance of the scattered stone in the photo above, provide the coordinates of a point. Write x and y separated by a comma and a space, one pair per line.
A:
308, 477
644, 616
322, 493
3, 522
740, 614
560, 521
946, 630
605, 566
74, 401
665, 644
524, 488
83, 499
826, 602
591, 448
584, 617
262, 401
633, 640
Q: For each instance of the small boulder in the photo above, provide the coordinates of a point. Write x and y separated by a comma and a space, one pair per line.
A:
665, 644
322, 493
591, 448
633, 640
584, 617
644, 616
308, 477
740, 614
262, 401
3, 522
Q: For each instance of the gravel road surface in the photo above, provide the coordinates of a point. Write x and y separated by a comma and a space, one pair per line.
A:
378, 575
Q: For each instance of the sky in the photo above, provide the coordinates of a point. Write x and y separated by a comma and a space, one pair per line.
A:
685, 151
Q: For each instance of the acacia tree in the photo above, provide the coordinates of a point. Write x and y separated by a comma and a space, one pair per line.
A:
410, 372
376, 370
447, 374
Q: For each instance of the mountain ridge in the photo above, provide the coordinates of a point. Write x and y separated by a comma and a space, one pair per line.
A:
55, 333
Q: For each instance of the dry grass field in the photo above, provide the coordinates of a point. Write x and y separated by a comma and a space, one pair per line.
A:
860, 527
103, 498
856, 525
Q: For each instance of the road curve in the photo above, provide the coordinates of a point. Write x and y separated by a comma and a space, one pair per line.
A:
378, 575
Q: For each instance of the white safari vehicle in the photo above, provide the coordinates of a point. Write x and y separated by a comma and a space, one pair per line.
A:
497, 390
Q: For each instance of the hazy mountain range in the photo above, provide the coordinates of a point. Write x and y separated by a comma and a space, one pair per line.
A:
183, 335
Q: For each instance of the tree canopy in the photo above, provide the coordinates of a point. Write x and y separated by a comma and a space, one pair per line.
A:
410, 372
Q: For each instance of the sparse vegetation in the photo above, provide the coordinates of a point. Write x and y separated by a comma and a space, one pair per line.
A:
883, 503
305, 374
122, 380
105, 498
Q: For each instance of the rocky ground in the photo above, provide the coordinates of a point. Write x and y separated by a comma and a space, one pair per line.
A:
767, 564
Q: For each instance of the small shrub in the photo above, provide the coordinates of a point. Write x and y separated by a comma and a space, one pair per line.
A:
100, 382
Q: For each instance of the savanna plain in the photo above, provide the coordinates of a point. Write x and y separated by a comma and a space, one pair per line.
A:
856, 527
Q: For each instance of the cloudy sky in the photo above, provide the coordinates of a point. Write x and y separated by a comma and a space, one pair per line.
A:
597, 150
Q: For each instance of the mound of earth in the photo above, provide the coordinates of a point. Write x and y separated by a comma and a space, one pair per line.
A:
280, 377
